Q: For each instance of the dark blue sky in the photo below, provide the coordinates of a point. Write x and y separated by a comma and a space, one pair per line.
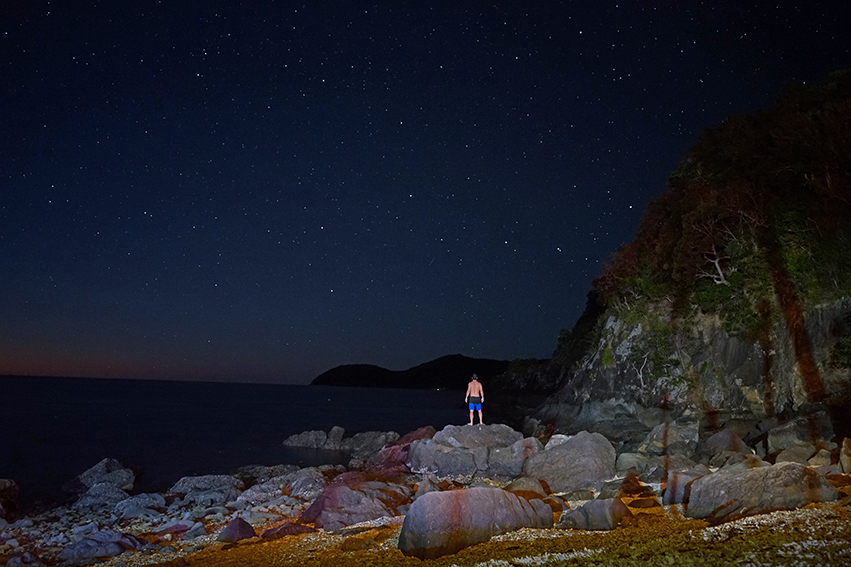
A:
260, 191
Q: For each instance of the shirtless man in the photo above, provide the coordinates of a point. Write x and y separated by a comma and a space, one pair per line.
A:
475, 396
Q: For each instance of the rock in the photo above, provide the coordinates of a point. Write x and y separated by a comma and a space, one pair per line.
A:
351, 499
743, 462
308, 488
237, 530
820, 459
100, 496
585, 461
335, 439
441, 523
197, 530
257, 474
189, 484
671, 463
526, 487
506, 463
781, 486
9, 498
140, 501
626, 462
285, 530
675, 438
102, 543
845, 456
260, 493
596, 515
458, 452
678, 486
815, 429
107, 470
555, 440
798, 453
724, 440
308, 439
364, 445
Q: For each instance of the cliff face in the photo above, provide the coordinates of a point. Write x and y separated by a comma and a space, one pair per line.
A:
656, 368
734, 300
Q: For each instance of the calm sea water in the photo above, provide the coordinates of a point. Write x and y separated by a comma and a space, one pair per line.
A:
52, 429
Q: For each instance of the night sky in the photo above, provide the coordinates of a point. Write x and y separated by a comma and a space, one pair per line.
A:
261, 191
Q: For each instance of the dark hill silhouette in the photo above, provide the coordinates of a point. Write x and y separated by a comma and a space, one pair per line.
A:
452, 371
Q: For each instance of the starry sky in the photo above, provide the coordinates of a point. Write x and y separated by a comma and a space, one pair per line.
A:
260, 191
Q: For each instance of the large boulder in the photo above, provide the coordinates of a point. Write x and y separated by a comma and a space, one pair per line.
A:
140, 501
351, 499
845, 456
815, 429
364, 445
390, 462
308, 439
107, 470
600, 514
583, 462
723, 440
458, 452
674, 438
238, 529
103, 495
506, 463
189, 484
100, 544
256, 474
752, 491
441, 523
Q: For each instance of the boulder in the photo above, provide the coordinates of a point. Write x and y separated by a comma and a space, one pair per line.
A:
441, 523
678, 486
458, 452
815, 429
107, 470
307, 488
741, 462
285, 530
363, 445
189, 484
257, 474
144, 501
237, 530
797, 453
309, 439
820, 459
671, 438
606, 514
845, 456
527, 487
556, 439
583, 462
724, 440
9, 498
762, 489
334, 441
260, 493
102, 495
473, 436
506, 463
351, 499
631, 462
102, 543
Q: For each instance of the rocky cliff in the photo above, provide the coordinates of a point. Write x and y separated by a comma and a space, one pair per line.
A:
734, 300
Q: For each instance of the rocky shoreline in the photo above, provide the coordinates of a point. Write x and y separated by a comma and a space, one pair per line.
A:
439, 495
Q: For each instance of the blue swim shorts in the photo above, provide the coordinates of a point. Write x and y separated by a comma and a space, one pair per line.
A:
475, 403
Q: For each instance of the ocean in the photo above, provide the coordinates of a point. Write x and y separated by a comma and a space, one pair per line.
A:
52, 429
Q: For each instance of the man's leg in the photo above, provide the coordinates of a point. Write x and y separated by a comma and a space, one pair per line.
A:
480, 417
471, 417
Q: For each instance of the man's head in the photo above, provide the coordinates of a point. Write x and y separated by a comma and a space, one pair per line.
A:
475, 377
